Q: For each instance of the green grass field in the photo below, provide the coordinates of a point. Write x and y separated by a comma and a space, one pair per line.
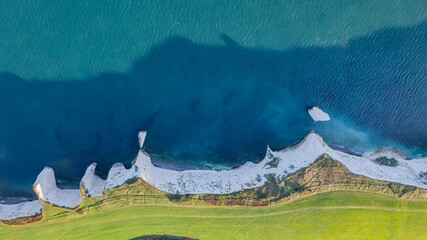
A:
331, 215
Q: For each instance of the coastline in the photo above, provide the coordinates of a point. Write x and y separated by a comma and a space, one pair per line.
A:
182, 179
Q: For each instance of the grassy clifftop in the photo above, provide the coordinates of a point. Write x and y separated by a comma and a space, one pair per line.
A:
329, 215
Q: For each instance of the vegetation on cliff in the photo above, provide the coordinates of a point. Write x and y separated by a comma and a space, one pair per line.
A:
391, 162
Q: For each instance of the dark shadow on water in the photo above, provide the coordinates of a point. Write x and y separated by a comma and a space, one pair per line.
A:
219, 104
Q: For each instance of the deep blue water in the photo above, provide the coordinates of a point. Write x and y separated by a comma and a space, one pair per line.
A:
217, 105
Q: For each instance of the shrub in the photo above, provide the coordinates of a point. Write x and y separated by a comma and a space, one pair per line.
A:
291, 186
423, 176
391, 162
327, 162
273, 163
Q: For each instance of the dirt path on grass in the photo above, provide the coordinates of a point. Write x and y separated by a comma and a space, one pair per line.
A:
261, 215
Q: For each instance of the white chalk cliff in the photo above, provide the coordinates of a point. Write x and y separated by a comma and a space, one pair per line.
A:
92, 185
47, 191
318, 114
280, 164
20, 210
250, 175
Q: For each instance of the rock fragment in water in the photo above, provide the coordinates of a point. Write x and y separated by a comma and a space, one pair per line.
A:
318, 115
141, 138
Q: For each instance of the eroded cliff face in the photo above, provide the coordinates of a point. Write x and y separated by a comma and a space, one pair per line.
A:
47, 191
324, 175
92, 185
382, 171
23, 220
276, 165
327, 174
21, 213
280, 164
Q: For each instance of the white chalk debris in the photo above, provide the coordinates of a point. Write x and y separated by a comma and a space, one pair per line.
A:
318, 115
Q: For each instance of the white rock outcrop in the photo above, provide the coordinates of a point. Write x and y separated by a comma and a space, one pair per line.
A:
92, 185
20, 210
250, 175
118, 175
141, 138
279, 164
47, 191
318, 114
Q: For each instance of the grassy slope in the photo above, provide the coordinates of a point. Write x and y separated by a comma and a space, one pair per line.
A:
324, 215
327, 174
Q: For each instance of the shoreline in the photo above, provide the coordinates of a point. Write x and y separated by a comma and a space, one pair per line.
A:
184, 179
163, 163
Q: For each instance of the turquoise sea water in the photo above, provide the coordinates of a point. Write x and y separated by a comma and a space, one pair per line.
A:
213, 83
